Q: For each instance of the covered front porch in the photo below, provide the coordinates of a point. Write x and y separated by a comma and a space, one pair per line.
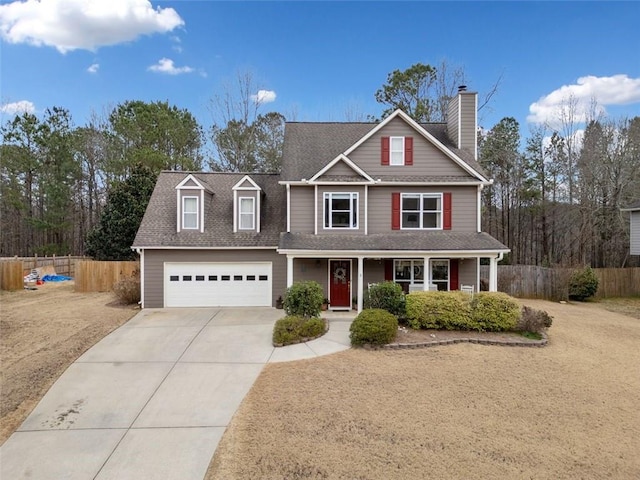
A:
346, 275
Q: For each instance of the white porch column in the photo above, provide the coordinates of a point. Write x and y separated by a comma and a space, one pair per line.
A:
360, 283
289, 270
426, 274
493, 274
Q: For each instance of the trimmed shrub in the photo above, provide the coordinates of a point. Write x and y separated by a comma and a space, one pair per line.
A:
583, 284
127, 290
494, 312
294, 329
533, 320
304, 299
387, 296
440, 310
373, 326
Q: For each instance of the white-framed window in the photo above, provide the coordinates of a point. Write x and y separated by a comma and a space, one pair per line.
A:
440, 274
421, 211
190, 213
246, 213
341, 210
396, 151
408, 271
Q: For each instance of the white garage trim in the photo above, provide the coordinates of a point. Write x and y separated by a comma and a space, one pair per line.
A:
218, 284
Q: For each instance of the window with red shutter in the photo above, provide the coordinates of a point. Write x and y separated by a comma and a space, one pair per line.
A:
384, 151
446, 210
408, 150
395, 211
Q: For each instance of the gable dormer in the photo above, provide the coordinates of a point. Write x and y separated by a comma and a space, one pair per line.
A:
246, 205
190, 205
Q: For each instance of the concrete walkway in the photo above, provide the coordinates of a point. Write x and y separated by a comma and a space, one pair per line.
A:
152, 399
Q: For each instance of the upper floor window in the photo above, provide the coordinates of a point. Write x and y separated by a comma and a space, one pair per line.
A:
396, 151
341, 210
422, 211
247, 214
190, 213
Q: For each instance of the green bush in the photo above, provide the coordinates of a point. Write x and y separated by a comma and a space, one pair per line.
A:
387, 296
583, 284
304, 299
533, 320
373, 326
494, 312
127, 290
440, 310
294, 329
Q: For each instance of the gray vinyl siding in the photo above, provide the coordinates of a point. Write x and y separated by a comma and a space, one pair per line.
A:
467, 272
154, 268
301, 209
463, 206
311, 269
373, 271
341, 169
427, 159
635, 233
340, 189
453, 126
468, 127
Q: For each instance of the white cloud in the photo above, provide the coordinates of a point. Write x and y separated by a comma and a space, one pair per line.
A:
264, 96
165, 65
93, 68
614, 90
15, 108
83, 24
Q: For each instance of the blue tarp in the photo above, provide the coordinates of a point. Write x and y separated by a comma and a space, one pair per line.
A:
55, 278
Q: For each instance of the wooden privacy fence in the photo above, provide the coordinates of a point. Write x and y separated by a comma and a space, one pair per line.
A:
61, 265
94, 276
531, 281
11, 275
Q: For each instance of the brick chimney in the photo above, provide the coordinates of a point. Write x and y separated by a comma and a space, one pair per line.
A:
462, 120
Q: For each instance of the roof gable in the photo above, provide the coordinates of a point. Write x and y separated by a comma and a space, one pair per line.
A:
190, 182
424, 133
246, 183
335, 164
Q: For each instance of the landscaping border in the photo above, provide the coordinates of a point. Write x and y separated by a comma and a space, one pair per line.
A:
435, 343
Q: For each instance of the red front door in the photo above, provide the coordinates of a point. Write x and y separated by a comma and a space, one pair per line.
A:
340, 283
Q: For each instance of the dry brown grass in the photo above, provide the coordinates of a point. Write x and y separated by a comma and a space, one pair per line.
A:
566, 411
41, 333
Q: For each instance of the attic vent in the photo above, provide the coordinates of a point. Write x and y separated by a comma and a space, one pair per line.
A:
462, 88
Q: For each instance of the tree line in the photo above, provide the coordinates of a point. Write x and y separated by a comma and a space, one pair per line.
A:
555, 199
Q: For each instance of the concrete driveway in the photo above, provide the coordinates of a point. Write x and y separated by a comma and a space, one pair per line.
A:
152, 399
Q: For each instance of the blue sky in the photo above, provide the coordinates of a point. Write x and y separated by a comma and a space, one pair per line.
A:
316, 60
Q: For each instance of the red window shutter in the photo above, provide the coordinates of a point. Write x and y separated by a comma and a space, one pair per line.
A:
446, 211
385, 151
408, 150
454, 283
395, 211
388, 270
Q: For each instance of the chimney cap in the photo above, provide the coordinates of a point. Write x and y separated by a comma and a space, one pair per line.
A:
462, 88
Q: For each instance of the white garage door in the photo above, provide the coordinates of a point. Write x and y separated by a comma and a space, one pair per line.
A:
217, 284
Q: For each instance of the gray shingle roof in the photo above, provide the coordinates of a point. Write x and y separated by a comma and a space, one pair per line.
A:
410, 241
309, 146
158, 227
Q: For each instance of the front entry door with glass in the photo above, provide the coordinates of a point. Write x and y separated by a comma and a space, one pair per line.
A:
340, 283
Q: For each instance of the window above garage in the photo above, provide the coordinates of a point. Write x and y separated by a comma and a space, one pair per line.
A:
190, 205
246, 205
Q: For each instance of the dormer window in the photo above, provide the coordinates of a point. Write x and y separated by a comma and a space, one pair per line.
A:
246, 205
190, 213
247, 219
396, 151
190, 204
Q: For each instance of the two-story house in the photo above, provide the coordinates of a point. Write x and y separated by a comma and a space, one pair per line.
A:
355, 204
